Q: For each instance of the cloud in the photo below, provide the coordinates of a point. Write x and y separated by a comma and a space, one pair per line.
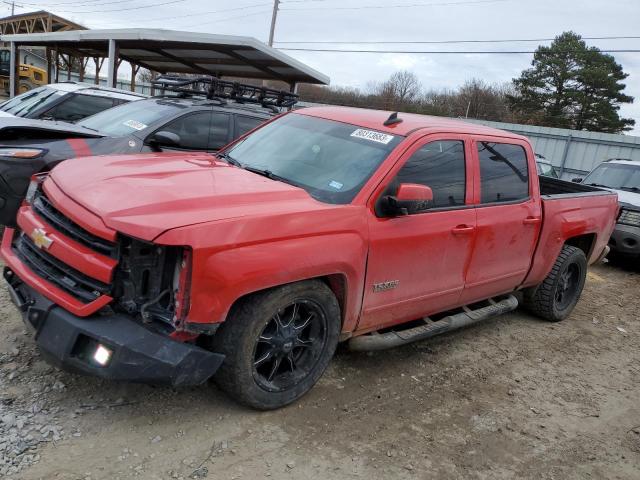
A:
399, 61
511, 19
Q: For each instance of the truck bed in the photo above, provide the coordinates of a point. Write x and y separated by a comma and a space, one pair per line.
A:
570, 210
554, 187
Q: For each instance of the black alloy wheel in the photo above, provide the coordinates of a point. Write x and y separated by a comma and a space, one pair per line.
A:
290, 345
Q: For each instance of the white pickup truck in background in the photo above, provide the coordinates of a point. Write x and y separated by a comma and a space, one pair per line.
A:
623, 177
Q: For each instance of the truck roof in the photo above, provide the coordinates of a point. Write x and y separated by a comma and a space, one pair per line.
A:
374, 119
624, 161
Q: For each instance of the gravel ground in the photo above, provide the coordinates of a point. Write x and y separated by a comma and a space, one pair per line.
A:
514, 397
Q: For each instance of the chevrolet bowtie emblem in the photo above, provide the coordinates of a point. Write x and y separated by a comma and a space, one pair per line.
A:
39, 237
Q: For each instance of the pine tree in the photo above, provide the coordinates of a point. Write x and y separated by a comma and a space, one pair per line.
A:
571, 85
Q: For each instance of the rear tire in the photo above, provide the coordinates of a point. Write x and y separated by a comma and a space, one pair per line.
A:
277, 344
557, 295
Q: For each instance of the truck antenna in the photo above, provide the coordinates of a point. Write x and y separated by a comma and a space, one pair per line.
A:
392, 120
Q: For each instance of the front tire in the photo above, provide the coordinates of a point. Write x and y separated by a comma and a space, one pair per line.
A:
24, 86
277, 344
555, 298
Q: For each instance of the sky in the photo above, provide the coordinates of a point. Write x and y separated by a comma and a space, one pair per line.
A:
387, 21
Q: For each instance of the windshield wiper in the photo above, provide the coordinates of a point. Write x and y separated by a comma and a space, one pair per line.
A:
229, 159
598, 185
259, 171
80, 125
264, 172
630, 189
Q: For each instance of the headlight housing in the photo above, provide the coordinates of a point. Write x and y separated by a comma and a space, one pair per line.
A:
182, 286
19, 152
34, 185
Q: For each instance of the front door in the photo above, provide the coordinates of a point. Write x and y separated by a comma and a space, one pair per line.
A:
416, 264
508, 221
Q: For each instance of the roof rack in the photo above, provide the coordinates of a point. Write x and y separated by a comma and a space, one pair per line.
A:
215, 89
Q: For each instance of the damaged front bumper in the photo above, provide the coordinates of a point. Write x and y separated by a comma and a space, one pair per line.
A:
135, 353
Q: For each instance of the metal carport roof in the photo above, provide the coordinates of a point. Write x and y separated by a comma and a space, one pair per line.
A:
175, 51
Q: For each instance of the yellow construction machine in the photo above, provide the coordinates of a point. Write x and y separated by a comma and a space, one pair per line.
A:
30, 76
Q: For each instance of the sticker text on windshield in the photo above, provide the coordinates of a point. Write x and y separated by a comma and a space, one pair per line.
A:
135, 125
372, 135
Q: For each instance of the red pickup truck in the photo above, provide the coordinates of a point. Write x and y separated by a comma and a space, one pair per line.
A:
323, 225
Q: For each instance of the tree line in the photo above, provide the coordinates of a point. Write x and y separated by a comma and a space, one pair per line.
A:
402, 91
569, 85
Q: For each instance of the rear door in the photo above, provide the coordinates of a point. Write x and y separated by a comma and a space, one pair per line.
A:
245, 123
417, 262
509, 217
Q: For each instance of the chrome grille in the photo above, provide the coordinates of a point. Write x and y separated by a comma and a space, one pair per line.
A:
59, 274
50, 214
629, 217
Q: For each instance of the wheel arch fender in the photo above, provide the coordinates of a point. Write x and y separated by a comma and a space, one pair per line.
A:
221, 278
585, 242
337, 283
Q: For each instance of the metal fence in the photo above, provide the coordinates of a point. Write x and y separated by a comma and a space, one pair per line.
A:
141, 87
574, 153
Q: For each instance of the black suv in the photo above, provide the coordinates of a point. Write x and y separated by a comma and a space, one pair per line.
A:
190, 118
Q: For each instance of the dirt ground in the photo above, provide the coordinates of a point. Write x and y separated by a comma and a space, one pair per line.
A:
514, 397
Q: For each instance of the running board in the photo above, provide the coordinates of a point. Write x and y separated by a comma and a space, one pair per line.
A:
382, 341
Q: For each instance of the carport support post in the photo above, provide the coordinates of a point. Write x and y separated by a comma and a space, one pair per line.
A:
57, 66
113, 64
49, 65
565, 154
13, 69
293, 88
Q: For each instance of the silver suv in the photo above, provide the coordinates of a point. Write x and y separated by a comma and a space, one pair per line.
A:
623, 177
66, 102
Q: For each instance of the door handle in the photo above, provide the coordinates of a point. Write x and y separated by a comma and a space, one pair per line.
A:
462, 230
531, 220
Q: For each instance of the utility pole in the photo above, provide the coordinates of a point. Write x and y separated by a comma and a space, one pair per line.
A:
274, 15
13, 6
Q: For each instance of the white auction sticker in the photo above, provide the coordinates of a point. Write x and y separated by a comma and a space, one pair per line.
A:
135, 125
372, 135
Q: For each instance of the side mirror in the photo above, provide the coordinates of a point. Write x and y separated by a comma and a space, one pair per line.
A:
164, 139
410, 198
576, 180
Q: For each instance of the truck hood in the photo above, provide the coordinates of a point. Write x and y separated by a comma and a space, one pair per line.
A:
145, 195
12, 127
630, 198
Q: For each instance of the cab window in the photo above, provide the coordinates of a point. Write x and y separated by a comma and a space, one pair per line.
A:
504, 175
439, 165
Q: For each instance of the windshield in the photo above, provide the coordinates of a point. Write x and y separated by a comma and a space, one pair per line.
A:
329, 159
23, 105
130, 117
618, 176
546, 169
